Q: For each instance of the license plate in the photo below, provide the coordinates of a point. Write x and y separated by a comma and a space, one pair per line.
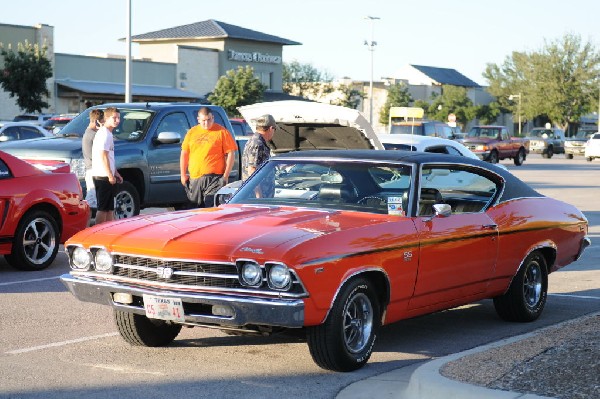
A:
163, 308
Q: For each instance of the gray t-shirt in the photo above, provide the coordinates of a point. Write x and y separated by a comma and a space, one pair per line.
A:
86, 146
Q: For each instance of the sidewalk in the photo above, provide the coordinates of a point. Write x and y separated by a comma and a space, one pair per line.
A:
563, 360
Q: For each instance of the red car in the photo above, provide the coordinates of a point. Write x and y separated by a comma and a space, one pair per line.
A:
39, 210
335, 242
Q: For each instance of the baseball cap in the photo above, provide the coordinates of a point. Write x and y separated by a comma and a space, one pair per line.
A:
265, 121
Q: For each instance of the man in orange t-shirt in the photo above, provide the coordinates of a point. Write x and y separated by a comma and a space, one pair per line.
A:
207, 153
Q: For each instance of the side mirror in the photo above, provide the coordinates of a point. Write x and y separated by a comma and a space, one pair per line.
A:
444, 210
168, 138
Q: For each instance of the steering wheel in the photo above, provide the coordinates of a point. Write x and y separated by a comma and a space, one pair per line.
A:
373, 201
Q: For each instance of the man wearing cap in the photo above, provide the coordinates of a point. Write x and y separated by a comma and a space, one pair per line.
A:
256, 151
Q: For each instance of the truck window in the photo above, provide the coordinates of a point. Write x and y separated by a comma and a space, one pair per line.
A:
174, 122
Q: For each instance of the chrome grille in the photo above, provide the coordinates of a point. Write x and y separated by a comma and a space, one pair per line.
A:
183, 272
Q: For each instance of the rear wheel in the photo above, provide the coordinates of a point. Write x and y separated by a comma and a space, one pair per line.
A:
142, 331
36, 242
345, 341
520, 157
127, 201
526, 296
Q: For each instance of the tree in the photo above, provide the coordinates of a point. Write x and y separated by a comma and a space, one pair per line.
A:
453, 100
558, 82
351, 97
24, 75
398, 96
306, 81
236, 88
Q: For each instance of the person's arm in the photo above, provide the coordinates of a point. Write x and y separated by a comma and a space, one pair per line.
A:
228, 165
184, 160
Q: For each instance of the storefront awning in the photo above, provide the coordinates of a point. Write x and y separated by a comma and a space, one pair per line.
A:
108, 88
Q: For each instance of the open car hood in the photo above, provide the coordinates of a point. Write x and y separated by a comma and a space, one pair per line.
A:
304, 125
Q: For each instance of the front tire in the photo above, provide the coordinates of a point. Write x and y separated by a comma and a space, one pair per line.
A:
493, 158
127, 201
526, 297
520, 157
549, 153
344, 342
569, 156
36, 242
141, 331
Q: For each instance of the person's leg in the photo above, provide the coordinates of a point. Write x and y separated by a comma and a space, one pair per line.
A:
105, 200
211, 184
90, 189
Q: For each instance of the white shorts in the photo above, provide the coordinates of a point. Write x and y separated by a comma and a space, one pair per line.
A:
90, 194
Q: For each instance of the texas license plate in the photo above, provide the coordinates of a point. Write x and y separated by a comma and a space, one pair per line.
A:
163, 308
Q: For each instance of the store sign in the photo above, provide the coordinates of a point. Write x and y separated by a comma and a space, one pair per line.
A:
233, 55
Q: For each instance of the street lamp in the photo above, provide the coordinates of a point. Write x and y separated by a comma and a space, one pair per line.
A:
512, 97
371, 47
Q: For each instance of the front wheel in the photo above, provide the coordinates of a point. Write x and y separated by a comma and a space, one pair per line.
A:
526, 296
344, 342
590, 159
127, 201
141, 331
520, 157
549, 153
493, 158
568, 156
36, 242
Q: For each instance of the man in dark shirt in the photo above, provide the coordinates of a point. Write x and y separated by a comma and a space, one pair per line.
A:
257, 152
96, 120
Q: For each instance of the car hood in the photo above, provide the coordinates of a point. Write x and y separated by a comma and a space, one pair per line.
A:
304, 125
224, 233
44, 147
477, 140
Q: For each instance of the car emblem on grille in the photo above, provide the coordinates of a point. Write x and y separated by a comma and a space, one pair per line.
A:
253, 250
164, 272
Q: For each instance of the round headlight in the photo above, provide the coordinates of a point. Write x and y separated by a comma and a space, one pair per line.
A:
80, 259
280, 277
103, 261
251, 274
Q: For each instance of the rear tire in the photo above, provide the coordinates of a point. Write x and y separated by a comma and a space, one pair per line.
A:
36, 242
590, 159
141, 331
344, 342
526, 297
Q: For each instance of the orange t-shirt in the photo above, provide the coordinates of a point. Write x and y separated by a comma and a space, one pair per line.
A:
207, 149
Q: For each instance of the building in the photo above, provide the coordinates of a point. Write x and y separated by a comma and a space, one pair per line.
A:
175, 64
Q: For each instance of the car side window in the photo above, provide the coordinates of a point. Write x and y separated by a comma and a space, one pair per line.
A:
4, 171
465, 190
174, 122
29, 133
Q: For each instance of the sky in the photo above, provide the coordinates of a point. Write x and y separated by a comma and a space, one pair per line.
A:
464, 35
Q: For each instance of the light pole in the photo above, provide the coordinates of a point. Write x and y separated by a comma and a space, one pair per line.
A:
371, 46
511, 97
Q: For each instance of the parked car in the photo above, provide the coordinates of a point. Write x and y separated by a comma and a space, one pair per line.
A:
592, 147
37, 119
408, 142
241, 127
493, 143
423, 128
39, 210
576, 145
56, 123
546, 141
359, 239
13, 131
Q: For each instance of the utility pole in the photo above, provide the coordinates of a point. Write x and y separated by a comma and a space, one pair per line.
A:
371, 47
128, 59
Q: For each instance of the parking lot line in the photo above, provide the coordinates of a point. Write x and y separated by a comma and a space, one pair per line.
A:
62, 343
35, 280
577, 296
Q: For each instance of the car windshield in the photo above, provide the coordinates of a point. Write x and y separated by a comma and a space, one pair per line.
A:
483, 132
363, 187
407, 129
584, 134
132, 127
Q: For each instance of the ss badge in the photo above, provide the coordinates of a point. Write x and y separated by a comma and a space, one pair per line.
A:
407, 256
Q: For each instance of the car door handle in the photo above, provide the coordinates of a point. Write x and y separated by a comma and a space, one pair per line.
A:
490, 226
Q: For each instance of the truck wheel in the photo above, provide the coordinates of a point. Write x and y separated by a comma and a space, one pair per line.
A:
493, 158
344, 342
549, 152
527, 293
520, 157
568, 156
141, 331
36, 242
127, 201
590, 159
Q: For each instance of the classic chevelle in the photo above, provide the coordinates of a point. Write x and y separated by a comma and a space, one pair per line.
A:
336, 242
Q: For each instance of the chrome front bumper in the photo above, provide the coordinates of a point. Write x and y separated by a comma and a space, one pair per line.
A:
585, 242
246, 310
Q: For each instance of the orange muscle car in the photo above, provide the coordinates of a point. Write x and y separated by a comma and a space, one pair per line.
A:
337, 243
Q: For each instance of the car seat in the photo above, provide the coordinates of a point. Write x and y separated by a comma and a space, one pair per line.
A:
429, 197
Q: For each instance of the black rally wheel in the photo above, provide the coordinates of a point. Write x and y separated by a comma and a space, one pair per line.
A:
344, 342
142, 331
36, 242
526, 297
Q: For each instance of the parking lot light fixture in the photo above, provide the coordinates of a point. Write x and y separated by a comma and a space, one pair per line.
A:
512, 97
371, 47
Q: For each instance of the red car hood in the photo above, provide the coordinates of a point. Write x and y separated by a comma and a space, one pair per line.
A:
224, 233
478, 140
